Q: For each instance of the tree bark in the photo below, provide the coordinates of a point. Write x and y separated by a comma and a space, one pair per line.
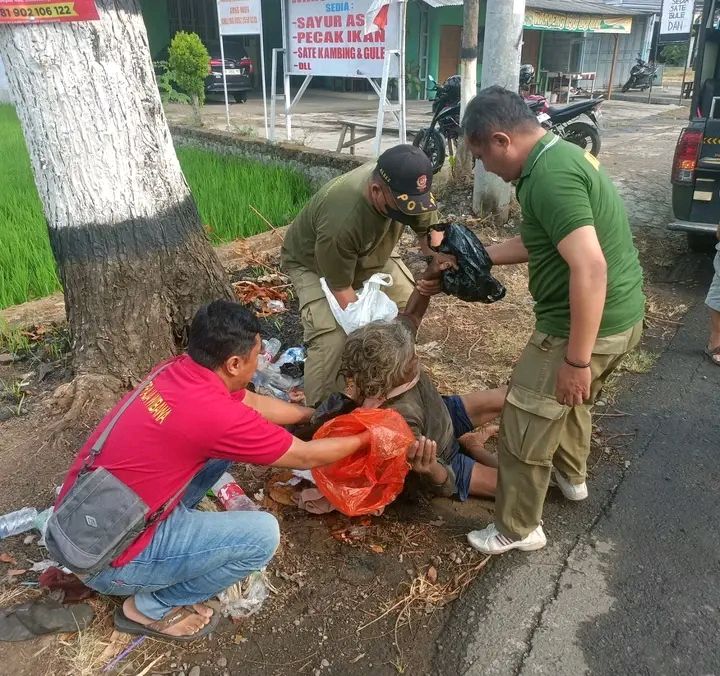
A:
132, 254
501, 66
468, 74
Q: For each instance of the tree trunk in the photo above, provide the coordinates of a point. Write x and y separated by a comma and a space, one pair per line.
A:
127, 237
501, 66
468, 74
197, 115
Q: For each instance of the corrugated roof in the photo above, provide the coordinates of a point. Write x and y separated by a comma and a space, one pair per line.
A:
582, 7
564, 6
443, 3
649, 6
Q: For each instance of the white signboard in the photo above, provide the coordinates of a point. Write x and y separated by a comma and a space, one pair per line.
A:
677, 17
328, 38
240, 17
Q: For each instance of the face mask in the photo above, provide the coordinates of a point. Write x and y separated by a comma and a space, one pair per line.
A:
397, 215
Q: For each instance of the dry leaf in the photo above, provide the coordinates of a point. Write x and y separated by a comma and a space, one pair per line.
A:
378, 549
431, 575
14, 572
7, 558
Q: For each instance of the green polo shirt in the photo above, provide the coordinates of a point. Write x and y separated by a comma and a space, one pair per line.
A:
338, 233
563, 188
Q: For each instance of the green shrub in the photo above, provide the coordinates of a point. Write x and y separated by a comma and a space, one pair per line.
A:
189, 62
166, 81
673, 55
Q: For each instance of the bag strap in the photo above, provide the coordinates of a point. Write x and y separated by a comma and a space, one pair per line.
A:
163, 508
100, 441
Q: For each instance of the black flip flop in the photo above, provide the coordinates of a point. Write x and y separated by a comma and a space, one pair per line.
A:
37, 618
156, 629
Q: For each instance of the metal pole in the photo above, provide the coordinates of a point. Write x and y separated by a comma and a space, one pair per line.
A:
286, 60
682, 84
288, 107
222, 58
402, 122
687, 64
654, 62
383, 98
612, 66
273, 92
264, 86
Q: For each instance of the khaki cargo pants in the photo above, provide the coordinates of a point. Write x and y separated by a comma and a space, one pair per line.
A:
537, 433
323, 337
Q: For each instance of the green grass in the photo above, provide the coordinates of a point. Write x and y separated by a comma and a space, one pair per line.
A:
27, 267
224, 187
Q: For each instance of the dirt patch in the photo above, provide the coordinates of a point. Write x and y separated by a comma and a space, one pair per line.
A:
353, 596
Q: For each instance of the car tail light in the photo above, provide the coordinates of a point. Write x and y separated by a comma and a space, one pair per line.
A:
247, 63
687, 151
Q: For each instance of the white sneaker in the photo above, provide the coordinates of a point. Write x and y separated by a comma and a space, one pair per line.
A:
491, 541
574, 492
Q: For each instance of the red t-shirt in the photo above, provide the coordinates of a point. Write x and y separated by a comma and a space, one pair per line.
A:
184, 417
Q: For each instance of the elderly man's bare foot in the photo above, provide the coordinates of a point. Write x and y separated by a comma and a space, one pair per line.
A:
188, 626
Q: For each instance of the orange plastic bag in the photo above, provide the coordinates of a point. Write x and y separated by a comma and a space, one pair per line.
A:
373, 476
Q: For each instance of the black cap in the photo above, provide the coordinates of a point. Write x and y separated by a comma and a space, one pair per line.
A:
407, 171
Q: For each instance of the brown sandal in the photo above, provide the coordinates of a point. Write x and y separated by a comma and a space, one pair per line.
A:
158, 629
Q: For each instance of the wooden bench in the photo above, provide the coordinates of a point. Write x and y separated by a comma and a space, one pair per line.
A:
687, 89
366, 133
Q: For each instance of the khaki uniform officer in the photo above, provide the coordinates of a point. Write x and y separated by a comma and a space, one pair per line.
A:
586, 281
346, 233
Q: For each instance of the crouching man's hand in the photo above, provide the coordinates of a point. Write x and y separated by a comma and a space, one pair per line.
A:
422, 456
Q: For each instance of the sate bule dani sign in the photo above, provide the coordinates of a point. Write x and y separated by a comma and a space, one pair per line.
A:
537, 19
44, 11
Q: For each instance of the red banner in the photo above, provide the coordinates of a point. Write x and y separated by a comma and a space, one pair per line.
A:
44, 11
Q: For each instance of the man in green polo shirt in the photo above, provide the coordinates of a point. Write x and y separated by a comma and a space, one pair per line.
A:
586, 281
346, 233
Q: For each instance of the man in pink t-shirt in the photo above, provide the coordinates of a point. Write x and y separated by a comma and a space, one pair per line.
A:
188, 424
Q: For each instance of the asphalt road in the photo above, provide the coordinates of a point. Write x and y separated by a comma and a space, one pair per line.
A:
630, 580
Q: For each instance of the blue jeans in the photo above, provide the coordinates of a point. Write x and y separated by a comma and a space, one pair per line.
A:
193, 555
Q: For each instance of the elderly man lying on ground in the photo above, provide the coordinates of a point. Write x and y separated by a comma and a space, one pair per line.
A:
382, 370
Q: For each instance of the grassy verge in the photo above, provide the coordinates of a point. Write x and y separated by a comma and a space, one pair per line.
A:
225, 189
27, 267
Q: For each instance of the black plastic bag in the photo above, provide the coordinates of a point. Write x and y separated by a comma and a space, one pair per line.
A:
472, 280
336, 404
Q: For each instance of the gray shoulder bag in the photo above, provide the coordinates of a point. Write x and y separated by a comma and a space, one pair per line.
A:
100, 516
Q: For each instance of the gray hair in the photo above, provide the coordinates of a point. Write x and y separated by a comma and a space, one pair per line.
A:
378, 357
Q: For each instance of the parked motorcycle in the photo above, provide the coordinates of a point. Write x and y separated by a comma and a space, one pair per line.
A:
642, 75
563, 122
560, 120
444, 127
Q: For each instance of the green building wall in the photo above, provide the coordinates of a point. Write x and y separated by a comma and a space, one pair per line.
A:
157, 24
437, 18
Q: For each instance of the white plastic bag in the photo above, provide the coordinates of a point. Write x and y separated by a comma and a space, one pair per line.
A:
246, 597
373, 304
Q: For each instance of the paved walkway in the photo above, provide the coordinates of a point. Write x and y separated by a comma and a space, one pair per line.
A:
315, 122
